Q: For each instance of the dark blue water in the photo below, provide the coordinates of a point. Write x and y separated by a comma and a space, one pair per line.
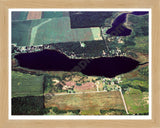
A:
119, 20
118, 29
139, 13
51, 60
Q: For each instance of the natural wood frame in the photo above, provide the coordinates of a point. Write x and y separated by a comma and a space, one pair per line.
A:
6, 4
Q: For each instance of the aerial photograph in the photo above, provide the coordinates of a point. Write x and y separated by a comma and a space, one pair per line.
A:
79, 63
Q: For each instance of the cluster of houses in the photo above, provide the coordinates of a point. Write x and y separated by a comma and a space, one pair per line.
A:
74, 87
113, 52
113, 38
116, 52
111, 84
29, 49
105, 84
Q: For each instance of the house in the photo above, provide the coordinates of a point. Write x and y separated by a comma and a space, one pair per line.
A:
69, 85
85, 86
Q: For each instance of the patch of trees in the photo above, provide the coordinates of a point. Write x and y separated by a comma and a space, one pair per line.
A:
89, 51
29, 105
115, 111
141, 85
51, 86
140, 28
56, 111
144, 71
89, 19
139, 24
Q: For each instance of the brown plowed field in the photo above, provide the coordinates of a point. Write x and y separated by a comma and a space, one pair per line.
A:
87, 101
34, 15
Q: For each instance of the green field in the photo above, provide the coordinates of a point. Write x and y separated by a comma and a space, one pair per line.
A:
105, 103
21, 31
52, 30
137, 102
54, 14
19, 15
22, 15
26, 85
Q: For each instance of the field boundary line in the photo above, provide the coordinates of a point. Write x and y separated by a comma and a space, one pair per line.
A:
34, 31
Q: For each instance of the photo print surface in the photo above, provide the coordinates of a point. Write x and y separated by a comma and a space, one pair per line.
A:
80, 63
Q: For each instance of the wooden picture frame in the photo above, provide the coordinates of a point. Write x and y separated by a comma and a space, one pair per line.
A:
5, 122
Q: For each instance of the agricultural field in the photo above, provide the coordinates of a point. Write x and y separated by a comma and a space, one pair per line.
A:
26, 85
90, 102
50, 30
21, 31
54, 14
34, 15
31, 15
58, 30
137, 101
16, 16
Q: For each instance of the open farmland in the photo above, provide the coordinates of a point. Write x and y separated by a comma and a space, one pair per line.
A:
26, 85
50, 30
29, 15
19, 15
21, 31
90, 102
34, 15
137, 103
58, 30
54, 14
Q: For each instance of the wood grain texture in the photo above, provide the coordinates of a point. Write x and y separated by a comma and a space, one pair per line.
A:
6, 4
